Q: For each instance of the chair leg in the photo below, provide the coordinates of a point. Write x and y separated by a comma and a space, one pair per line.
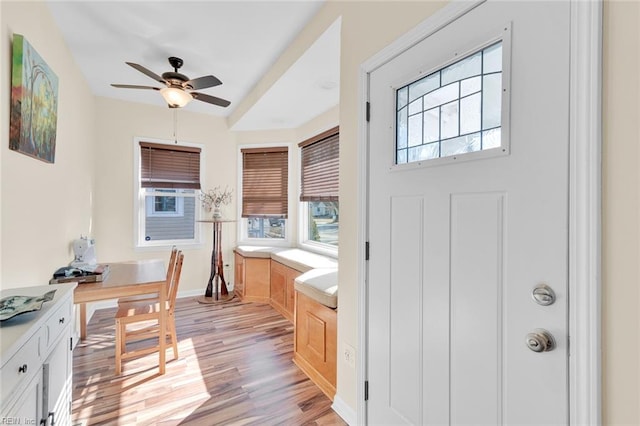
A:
119, 351
172, 335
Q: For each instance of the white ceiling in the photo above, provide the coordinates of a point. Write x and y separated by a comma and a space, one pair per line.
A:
236, 41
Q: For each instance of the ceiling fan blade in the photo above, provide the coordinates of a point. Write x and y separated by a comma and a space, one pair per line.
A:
147, 72
210, 99
202, 82
133, 86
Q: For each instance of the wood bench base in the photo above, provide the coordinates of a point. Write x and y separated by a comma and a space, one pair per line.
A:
315, 342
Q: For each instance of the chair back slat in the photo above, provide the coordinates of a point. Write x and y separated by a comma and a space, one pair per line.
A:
171, 268
173, 293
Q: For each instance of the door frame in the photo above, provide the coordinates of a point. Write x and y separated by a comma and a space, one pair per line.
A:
585, 141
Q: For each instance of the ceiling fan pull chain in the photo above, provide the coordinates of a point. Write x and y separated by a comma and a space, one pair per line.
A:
175, 125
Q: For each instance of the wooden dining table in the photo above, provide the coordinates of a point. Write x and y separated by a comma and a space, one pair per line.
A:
132, 278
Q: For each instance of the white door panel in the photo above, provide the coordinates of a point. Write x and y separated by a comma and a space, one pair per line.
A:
457, 248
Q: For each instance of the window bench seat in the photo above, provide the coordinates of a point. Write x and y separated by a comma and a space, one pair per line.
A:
303, 287
315, 327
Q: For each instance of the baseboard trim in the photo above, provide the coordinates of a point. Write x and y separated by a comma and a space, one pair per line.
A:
347, 413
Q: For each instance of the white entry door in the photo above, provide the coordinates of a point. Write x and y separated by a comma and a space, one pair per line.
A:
468, 213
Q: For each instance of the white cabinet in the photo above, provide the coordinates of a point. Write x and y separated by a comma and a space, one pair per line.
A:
29, 406
35, 360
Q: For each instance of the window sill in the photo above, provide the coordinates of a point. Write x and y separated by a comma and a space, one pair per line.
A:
319, 249
168, 245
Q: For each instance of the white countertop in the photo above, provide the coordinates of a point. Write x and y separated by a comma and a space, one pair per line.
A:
14, 332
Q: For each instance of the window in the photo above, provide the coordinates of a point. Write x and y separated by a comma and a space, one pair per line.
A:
162, 205
168, 183
265, 182
320, 206
452, 111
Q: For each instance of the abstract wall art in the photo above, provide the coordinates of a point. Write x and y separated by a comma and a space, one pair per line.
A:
34, 103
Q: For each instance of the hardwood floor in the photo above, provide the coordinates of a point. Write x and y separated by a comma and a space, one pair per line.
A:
234, 368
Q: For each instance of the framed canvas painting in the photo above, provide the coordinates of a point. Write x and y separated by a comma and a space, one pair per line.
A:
34, 103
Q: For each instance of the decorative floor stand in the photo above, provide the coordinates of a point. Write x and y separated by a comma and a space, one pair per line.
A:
217, 290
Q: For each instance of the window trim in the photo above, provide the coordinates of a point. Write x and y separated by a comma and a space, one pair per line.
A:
242, 236
139, 202
502, 34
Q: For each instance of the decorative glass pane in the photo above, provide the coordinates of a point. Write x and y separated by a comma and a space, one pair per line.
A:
441, 96
461, 145
492, 59
491, 100
423, 86
431, 150
415, 130
449, 120
455, 110
424, 152
432, 125
402, 98
491, 138
470, 114
402, 128
402, 156
470, 85
465, 68
415, 106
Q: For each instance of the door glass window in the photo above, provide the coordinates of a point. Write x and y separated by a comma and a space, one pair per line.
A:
452, 111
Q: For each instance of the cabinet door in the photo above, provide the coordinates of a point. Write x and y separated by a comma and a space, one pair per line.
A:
57, 383
27, 409
257, 279
278, 284
238, 285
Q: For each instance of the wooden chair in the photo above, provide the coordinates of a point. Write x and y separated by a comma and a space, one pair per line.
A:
147, 297
148, 311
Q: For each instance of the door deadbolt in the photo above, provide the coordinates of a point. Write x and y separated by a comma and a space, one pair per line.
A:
540, 340
543, 295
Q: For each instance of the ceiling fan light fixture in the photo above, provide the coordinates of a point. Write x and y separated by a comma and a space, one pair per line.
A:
176, 98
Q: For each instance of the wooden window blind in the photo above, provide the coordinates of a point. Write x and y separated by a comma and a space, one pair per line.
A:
265, 181
169, 166
320, 167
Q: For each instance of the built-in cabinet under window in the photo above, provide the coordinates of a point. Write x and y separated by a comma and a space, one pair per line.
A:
302, 286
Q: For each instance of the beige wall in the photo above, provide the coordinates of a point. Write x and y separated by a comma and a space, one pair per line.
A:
621, 214
44, 206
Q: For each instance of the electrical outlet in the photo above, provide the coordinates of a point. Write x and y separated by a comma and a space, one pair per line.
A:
349, 355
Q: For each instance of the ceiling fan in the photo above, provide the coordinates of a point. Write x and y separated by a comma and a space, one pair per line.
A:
179, 89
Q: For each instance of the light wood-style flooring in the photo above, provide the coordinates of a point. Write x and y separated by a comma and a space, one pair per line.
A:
234, 368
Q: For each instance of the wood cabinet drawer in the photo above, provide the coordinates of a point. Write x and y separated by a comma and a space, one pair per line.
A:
56, 323
17, 372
